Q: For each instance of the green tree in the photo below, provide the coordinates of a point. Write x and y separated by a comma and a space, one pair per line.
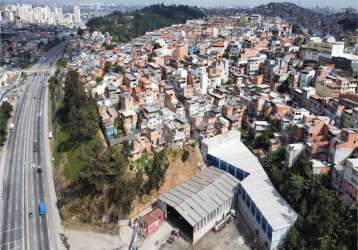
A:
119, 69
185, 155
80, 32
79, 110
107, 66
5, 114
324, 222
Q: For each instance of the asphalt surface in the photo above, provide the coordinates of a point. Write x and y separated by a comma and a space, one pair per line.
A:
23, 187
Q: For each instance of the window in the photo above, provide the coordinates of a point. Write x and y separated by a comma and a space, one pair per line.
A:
240, 174
263, 224
258, 216
231, 169
223, 165
253, 208
248, 201
243, 194
269, 232
210, 159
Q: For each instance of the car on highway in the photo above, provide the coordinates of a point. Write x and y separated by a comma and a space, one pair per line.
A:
31, 214
36, 146
42, 208
12, 127
39, 169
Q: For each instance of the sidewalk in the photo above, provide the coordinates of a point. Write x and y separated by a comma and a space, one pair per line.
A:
3, 155
54, 216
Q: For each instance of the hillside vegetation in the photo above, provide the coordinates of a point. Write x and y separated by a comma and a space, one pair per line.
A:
96, 184
5, 114
125, 26
306, 18
324, 222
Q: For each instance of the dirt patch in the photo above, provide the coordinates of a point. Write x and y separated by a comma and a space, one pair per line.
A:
177, 172
102, 138
111, 229
60, 179
84, 240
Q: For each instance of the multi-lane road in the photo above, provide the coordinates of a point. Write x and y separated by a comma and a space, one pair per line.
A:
27, 150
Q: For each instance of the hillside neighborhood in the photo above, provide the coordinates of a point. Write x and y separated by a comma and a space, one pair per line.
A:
178, 127
214, 82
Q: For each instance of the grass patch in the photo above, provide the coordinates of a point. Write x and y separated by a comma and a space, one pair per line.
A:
61, 137
73, 162
72, 165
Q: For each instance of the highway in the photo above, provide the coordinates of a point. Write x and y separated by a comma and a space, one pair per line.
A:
23, 187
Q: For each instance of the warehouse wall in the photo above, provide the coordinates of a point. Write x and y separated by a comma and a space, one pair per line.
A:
252, 218
210, 221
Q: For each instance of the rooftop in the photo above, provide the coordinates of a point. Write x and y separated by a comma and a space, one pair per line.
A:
229, 148
194, 199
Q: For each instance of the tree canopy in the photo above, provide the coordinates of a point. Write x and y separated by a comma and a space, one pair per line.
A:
125, 26
79, 110
5, 114
324, 222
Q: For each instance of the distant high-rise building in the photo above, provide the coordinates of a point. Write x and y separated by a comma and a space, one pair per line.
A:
76, 14
25, 13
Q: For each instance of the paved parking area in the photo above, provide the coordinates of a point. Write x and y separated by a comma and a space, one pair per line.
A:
157, 239
236, 235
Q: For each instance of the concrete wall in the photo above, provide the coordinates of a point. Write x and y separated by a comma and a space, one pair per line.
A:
278, 236
294, 151
208, 224
339, 155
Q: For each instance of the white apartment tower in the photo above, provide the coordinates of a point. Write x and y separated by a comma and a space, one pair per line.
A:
76, 14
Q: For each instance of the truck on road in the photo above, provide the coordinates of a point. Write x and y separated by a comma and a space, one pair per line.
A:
42, 208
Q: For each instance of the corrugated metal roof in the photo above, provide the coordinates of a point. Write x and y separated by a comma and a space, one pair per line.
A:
196, 198
274, 208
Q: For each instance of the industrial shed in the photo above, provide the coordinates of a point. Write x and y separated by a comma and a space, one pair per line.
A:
258, 201
196, 205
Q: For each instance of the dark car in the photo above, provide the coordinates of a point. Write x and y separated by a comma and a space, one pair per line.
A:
36, 147
39, 170
31, 215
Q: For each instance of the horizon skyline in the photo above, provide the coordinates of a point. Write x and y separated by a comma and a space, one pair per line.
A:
199, 3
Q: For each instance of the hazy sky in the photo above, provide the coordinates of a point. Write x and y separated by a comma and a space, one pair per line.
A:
303, 3
206, 3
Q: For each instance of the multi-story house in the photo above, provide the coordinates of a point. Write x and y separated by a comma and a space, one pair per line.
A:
151, 117
176, 132
343, 145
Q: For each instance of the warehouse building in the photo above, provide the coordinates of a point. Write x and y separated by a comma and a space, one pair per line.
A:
266, 211
196, 205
